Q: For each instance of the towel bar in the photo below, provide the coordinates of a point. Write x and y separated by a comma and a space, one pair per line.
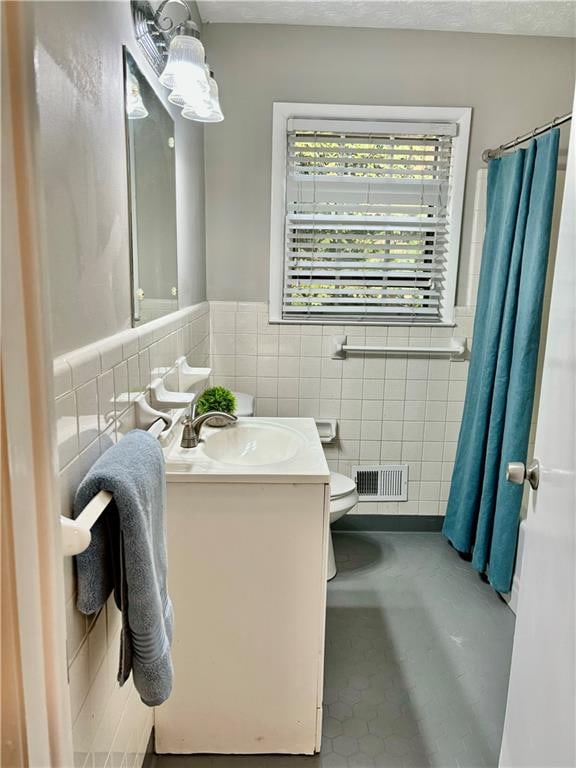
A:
76, 534
456, 350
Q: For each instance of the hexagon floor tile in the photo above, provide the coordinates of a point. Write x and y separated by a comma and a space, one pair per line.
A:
417, 661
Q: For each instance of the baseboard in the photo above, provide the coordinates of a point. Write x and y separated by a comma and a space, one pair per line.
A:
511, 598
150, 756
391, 523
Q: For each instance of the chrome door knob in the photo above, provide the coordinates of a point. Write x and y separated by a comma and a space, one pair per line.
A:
517, 472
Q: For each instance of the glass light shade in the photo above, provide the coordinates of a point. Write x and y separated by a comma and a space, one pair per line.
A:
207, 111
208, 117
177, 99
185, 52
215, 99
190, 87
135, 108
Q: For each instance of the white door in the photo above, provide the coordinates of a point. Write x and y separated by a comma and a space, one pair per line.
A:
540, 725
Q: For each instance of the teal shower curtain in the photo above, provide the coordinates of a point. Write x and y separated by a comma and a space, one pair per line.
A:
483, 510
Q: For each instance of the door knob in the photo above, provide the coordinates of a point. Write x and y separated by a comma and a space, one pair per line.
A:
517, 472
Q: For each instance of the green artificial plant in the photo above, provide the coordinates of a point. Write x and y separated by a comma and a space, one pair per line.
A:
216, 399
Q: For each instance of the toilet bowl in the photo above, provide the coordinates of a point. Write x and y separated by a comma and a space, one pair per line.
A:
343, 497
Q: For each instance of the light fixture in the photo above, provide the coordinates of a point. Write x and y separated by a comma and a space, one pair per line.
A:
135, 108
174, 49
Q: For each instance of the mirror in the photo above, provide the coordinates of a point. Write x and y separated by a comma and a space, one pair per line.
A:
152, 198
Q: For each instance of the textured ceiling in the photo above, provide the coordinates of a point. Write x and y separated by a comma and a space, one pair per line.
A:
556, 18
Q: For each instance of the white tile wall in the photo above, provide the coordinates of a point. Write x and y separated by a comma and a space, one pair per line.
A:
389, 409
95, 388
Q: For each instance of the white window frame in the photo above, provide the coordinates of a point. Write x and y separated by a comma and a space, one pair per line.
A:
285, 111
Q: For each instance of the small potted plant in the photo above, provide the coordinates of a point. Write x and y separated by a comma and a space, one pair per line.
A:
216, 399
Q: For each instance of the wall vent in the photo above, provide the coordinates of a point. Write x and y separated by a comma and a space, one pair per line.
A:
384, 482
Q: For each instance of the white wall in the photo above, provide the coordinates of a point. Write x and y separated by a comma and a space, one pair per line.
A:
78, 50
102, 363
512, 84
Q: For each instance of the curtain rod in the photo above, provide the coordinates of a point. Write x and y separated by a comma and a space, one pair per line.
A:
489, 154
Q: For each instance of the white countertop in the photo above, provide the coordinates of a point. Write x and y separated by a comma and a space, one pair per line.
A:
308, 465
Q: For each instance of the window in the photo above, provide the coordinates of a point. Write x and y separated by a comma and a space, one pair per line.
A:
366, 210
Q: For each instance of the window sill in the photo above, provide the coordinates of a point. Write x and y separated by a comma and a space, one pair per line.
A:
361, 324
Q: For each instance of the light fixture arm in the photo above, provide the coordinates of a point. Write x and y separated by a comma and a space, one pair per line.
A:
159, 18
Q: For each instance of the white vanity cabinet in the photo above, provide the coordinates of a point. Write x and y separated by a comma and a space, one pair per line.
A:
247, 558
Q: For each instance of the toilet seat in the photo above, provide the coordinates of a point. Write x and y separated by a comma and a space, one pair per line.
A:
343, 495
340, 486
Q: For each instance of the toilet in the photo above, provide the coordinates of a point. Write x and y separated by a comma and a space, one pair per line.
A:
343, 498
343, 493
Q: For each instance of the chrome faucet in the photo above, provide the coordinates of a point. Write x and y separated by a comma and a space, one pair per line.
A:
192, 427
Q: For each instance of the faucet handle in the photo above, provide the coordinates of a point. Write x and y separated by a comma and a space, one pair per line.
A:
189, 434
189, 414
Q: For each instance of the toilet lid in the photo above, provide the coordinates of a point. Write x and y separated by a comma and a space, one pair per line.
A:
244, 404
340, 485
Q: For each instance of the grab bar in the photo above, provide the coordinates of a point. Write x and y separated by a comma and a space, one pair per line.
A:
456, 350
76, 535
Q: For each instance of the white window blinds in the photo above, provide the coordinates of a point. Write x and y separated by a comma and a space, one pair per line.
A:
367, 221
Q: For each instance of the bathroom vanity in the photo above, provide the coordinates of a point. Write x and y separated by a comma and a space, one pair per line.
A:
248, 528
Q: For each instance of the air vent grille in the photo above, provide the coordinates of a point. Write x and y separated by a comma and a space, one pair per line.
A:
384, 482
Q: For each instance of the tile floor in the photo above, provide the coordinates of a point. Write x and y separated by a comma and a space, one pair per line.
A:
417, 659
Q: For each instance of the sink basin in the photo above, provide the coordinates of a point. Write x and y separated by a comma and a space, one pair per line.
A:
253, 444
268, 449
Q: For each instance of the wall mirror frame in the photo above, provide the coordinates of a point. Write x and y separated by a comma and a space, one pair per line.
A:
151, 163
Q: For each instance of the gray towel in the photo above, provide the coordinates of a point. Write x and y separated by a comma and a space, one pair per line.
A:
127, 554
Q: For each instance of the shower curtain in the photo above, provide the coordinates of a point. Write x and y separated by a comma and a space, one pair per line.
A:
483, 512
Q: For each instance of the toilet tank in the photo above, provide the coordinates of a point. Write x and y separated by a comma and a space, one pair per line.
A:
244, 404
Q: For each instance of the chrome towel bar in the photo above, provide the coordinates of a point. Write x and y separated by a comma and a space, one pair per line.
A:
455, 351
